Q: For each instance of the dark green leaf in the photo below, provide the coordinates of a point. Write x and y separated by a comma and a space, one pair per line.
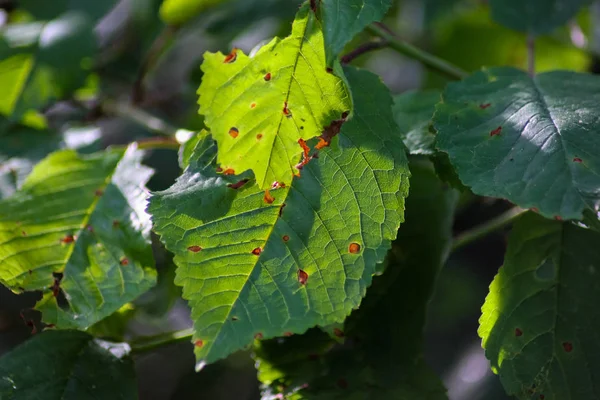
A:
82, 217
42, 62
381, 357
533, 141
239, 261
342, 20
536, 17
46, 10
67, 365
413, 112
540, 321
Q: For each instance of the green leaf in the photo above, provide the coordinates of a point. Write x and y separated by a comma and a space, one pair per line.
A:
413, 112
539, 321
240, 261
67, 365
46, 10
533, 141
259, 108
342, 20
536, 17
178, 12
18, 156
42, 62
381, 357
82, 219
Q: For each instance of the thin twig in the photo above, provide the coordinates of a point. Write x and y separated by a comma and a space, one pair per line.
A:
487, 227
531, 55
140, 116
427, 59
156, 50
148, 343
362, 49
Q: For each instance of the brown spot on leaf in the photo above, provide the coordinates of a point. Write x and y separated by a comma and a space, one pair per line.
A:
237, 185
338, 332
229, 171
219, 169
30, 272
268, 198
194, 249
342, 383
577, 160
331, 131
496, 131
68, 239
116, 224
518, 332
257, 251
558, 218
253, 105
281, 209
286, 110
258, 336
268, 76
305, 153
234, 132
259, 136
231, 57
354, 248
542, 397
484, 106
302, 277
568, 346
534, 209
98, 192
124, 262
286, 238
23, 233
199, 343
288, 334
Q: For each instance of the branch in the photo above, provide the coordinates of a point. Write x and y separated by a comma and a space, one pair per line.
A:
429, 60
149, 343
487, 227
362, 49
140, 116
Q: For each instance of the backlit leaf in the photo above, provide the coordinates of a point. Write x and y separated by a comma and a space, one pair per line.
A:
258, 108
540, 321
534, 141
77, 227
254, 264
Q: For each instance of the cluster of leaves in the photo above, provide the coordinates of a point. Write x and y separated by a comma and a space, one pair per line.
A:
288, 204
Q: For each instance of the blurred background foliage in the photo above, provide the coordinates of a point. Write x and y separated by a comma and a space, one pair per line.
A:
69, 70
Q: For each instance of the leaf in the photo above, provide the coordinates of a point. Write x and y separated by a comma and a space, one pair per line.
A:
241, 264
67, 365
342, 20
258, 108
42, 62
381, 357
178, 12
413, 112
539, 320
533, 141
77, 227
18, 156
536, 17
46, 10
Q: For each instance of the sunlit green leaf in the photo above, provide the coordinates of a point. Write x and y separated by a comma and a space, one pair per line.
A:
178, 12
259, 108
381, 355
67, 365
539, 321
77, 227
533, 141
251, 265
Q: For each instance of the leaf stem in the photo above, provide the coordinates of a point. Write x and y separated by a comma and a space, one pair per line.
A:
149, 343
429, 60
531, 55
487, 227
362, 49
140, 116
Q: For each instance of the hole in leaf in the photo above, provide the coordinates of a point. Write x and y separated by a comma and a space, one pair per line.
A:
234, 318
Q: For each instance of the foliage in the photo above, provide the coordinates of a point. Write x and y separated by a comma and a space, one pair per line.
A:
309, 188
